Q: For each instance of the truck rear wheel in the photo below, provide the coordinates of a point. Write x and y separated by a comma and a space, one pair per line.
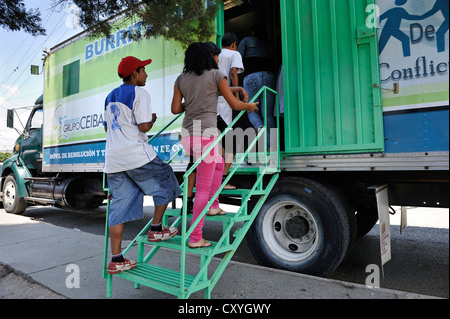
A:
12, 203
304, 226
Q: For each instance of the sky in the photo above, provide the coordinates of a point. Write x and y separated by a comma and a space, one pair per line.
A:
18, 51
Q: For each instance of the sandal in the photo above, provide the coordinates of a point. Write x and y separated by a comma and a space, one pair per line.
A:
202, 243
216, 211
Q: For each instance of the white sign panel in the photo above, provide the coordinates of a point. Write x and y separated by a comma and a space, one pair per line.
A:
384, 222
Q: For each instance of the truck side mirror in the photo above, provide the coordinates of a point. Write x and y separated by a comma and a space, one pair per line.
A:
10, 118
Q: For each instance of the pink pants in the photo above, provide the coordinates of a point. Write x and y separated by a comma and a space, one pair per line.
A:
208, 178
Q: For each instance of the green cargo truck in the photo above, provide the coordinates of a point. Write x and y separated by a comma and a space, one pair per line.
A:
364, 107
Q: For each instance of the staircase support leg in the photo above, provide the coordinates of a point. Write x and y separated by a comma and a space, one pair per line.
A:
208, 293
109, 285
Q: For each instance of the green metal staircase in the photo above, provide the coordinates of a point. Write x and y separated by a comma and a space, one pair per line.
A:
177, 281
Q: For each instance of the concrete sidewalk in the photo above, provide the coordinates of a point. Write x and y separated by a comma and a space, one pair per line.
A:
52, 257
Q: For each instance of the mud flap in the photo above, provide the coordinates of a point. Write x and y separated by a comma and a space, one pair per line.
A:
381, 193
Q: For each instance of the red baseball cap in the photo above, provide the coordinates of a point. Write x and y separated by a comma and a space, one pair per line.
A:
130, 64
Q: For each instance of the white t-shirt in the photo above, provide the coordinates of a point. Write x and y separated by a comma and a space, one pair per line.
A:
228, 59
126, 146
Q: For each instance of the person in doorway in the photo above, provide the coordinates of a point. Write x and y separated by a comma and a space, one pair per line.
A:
199, 85
132, 166
258, 55
230, 63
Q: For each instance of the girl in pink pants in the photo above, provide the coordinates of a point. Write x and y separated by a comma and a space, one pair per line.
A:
199, 86
208, 179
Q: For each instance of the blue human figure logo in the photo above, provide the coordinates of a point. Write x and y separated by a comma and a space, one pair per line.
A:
442, 6
116, 113
394, 19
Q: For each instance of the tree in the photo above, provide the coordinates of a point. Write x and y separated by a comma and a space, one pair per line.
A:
15, 17
183, 20
4, 156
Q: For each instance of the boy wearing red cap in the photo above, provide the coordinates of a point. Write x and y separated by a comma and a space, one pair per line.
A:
132, 166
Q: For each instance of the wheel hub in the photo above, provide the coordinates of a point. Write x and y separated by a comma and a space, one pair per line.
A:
293, 230
297, 227
9, 194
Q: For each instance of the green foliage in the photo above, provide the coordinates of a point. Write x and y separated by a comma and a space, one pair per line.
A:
15, 17
4, 156
185, 21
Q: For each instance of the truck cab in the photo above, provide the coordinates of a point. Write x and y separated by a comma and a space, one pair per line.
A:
25, 159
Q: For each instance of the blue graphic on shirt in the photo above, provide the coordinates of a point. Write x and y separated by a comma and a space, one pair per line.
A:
116, 113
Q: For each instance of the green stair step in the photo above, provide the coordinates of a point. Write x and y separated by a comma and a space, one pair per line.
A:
175, 243
255, 170
176, 212
163, 279
242, 192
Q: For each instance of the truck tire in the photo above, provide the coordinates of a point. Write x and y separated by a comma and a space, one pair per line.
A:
304, 226
12, 203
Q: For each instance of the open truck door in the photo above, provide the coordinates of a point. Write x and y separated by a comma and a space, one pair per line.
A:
331, 77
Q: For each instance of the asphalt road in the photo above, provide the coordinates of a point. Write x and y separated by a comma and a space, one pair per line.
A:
420, 255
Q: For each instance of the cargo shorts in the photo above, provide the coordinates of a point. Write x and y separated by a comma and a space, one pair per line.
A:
128, 188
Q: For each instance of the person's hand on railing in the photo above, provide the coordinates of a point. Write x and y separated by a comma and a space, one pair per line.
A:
252, 107
236, 104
